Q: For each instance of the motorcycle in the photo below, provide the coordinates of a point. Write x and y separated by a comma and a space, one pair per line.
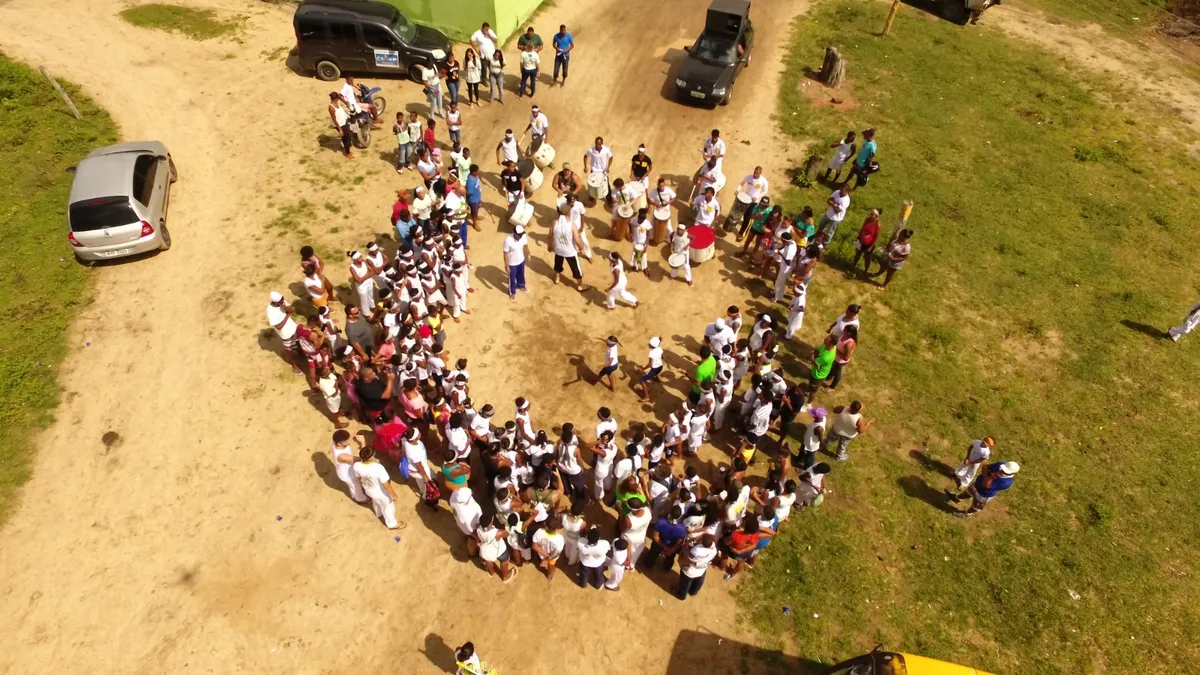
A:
361, 123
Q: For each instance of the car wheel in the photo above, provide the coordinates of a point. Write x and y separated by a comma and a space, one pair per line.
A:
748, 57
174, 172
328, 71
728, 96
166, 239
414, 72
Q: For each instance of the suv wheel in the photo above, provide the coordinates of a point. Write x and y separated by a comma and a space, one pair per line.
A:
328, 71
414, 72
728, 95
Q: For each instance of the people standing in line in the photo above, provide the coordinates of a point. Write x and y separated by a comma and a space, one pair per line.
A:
618, 562
693, 565
864, 245
866, 155
634, 525
516, 252
786, 257
496, 77
530, 61
493, 550
994, 479
894, 256
846, 344
467, 515
823, 358
839, 203
340, 115
431, 82
565, 245
454, 122
843, 150
620, 282
848, 423
453, 74
1189, 324
343, 463
364, 282
563, 44
548, 544
848, 318
484, 41
977, 455
611, 362
813, 438
377, 485
796, 311
472, 74
654, 366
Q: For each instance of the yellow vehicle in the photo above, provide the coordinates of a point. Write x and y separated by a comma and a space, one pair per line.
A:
895, 663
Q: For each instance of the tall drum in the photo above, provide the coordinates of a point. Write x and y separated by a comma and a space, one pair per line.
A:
662, 220
542, 153
741, 204
621, 219
637, 192
531, 174
597, 185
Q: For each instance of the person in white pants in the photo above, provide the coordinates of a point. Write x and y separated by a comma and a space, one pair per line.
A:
620, 281
796, 311
633, 529
605, 452
681, 243
343, 462
786, 259
723, 394
378, 486
419, 468
977, 455
364, 282
457, 283
1189, 323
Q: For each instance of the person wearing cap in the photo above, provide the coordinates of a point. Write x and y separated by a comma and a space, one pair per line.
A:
620, 283
598, 159
539, 124
1190, 322
610, 362
706, 208
718, 334
681, 245
565, 182
565, 244
714, 148
994, 479
279, 315
786, 257
516, 252
530, 60
640, 167
977, 454
654, 367
796, 311
508, 150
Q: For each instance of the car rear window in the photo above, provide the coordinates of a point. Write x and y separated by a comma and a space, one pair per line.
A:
98, 214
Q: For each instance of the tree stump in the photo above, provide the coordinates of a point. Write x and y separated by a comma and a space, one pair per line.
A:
833, 70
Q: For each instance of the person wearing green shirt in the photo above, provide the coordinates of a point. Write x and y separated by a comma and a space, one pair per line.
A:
706, 371
530, 39
823, 359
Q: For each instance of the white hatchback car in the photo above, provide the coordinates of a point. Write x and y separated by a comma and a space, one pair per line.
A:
119, 199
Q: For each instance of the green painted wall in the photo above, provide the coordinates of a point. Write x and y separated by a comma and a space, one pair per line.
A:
460, 18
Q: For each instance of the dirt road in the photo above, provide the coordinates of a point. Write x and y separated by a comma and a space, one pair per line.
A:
207, 533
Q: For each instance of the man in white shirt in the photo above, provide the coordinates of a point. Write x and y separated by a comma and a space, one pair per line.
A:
484, 41
839, 203
539, 124
661, 197
977, 454
565, 245
796, 311
693, 565
350, 95
378, 486
714, 148
786, 257
706, 207
598, 159
516, 251
530, 60
754, 186
431, 80
508, 150
756, 426
710, 176
279, 315
718, 334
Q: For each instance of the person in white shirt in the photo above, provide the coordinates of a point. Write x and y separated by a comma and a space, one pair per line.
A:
454, 125
706, 207
839, 203
754, 185
378, 486
796, 311
693, 565
467, 515
1190, 322
610, 361
598, 159
786, 257
343, 463
508, 150
516, 252
714, 148
710, 176
619, 287
484, 40
350, 96
548, 544
539, 124
605, 453
633, 527
846, 426
654, 366
575, 210
681, 247
849, 318
661, 197
722, 397
757, 424
639, 233
419, 468
431, 81
593, 553
530, 60
718, 334
565, 245
364, 282
977, 455
843, 151
279, 315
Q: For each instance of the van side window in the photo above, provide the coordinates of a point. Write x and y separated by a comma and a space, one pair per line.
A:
377, 38
144, 168
343, 31
309, 29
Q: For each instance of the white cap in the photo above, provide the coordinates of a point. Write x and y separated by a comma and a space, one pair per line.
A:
276, 296
1010, 468
720, 323
655, 341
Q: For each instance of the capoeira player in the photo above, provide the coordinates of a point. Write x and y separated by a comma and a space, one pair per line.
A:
620, 282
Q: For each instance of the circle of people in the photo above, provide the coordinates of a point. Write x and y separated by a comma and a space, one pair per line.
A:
398, 379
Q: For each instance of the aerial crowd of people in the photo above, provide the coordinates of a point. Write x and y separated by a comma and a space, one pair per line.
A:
599, 498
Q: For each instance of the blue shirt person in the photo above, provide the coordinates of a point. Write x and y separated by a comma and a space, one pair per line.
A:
994, 479
666, 539
405, 225
563, 44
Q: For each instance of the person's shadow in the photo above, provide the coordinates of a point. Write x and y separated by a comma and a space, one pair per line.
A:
917, 488
439, 653
582, 372
1144, 329
930, 464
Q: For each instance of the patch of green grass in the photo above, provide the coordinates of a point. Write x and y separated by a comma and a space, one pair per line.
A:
1047, 232
41, 285
292, 217
1121, 16
198, 24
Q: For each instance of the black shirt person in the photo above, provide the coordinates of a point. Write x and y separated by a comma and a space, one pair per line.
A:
510, 179
641, 164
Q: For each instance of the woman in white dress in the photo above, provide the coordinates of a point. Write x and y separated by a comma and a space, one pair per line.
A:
378, 486
364, 282
493, 549
633, 529
573, 526
467, 515
343, 462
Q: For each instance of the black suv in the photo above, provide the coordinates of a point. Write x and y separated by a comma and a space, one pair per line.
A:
363, 36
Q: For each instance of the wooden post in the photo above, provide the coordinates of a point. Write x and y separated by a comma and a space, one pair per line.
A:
62, 94
887, 25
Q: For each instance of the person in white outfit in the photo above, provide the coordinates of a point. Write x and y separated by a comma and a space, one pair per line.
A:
343, 463
467, 514
796, 311
706, 207
681, 245
618, 562
575, 210
787, 259
598, 159
1190, 322
633, 529
364, 282
714, 148
639, 232
620, 281
419, 468
842, 152
378, 487
977, 455
605, 452
723, 395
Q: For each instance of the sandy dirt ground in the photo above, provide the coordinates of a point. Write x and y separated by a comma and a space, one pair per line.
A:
183, 514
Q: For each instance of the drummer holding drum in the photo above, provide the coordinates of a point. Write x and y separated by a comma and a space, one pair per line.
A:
640, 167
660, 199
752, 189
597, 160
706, 207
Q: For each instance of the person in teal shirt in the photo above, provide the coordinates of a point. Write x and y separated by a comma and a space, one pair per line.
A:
865, 154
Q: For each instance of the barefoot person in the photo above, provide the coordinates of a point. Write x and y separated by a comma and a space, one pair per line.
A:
565, 244
378, 487
610, 362
894, 256
654, 366
279, 315
343, 462
620, 282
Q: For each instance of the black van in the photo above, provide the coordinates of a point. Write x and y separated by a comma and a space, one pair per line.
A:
364, 36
